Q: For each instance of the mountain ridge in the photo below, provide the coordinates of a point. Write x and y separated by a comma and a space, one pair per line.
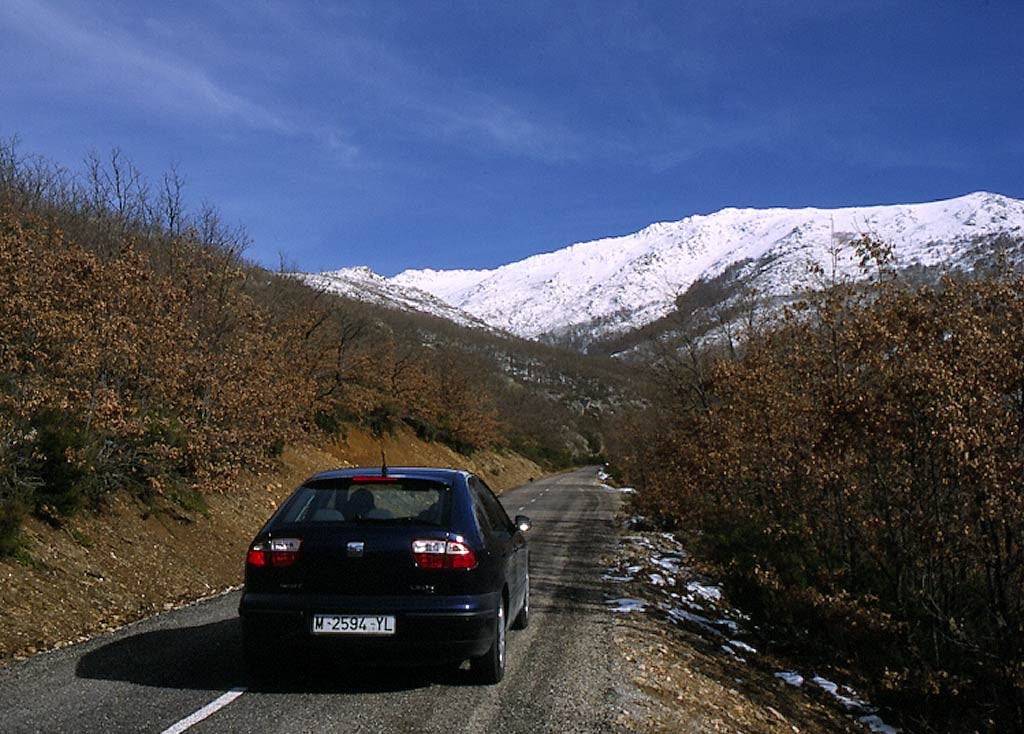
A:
610, 286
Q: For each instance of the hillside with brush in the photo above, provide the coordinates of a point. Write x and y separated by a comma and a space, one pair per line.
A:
141, 353
853, 470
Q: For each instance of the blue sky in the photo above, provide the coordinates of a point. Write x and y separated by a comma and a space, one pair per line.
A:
470, 134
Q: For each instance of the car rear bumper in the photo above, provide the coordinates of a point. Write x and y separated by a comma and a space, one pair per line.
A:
429, 629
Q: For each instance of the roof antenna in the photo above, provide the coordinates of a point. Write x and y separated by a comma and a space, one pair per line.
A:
383, 463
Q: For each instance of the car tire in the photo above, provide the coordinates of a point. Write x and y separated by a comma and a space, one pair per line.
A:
522, 620
489, 668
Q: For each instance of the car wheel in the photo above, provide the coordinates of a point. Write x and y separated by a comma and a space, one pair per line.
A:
522, 620
489, 668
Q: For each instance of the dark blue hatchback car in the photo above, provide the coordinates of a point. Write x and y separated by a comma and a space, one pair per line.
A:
409, 565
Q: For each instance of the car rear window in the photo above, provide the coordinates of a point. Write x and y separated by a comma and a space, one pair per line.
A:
383, 501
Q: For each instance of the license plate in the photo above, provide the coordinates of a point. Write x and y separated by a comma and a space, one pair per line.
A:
353, 624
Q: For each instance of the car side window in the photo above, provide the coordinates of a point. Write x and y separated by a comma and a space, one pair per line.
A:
496, 515
482, 519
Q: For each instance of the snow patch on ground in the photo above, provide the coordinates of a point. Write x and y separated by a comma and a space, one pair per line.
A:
625, 605
793, 679
850, 699
833, 690
875, 724
657, 562
617, 579
730, 651
739, 644
711, 593
670, 563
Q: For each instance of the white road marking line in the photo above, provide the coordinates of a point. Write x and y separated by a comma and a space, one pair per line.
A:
205, 712
522, 508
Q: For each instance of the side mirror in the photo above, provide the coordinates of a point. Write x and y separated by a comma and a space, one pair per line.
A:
523, 523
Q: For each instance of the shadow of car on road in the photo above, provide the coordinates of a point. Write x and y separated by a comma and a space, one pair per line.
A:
209, 657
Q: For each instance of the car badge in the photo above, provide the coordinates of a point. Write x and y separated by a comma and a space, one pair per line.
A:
355, 549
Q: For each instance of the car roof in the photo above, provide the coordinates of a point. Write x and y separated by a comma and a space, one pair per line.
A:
397, 472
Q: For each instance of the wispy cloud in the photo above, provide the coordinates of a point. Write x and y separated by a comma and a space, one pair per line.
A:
375, 88
488, 119
410, 98
378, 89
153, 77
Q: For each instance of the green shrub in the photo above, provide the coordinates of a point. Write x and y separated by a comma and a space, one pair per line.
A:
275, 448
11, 515
327, 423
381, 421
63, 452
189, 499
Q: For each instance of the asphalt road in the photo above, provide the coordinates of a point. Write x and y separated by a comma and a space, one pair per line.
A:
164, 674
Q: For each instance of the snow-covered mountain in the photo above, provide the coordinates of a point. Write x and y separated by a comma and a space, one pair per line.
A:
362, 284
613, 285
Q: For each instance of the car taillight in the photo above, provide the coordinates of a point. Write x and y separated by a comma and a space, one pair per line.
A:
276, 552
442, 554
